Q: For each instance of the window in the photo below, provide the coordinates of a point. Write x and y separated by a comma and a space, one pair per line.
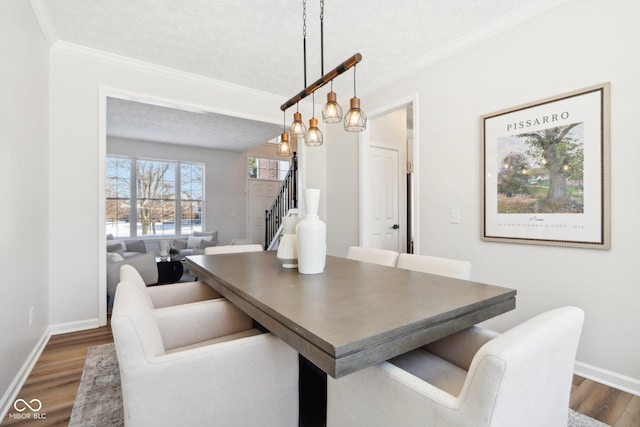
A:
166, 202
118, 191
191, 197
271, 169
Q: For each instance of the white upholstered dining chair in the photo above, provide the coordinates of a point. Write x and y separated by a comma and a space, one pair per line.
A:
435, 265
373, 255
230, 249
200, 364
475, 378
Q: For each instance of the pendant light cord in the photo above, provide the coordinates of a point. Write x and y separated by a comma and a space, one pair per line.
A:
354, 81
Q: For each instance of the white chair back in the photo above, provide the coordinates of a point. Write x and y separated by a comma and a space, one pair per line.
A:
231, 249
436, 265
372, 255
526, 370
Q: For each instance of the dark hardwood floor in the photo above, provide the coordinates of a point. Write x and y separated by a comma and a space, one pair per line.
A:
56, 377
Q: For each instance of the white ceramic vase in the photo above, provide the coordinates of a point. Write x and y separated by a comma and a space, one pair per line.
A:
311, 236
288, 246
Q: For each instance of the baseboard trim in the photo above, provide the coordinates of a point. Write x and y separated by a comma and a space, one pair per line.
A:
16, 385
612, 379
81, 325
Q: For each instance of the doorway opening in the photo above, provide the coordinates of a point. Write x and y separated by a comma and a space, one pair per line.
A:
388, 179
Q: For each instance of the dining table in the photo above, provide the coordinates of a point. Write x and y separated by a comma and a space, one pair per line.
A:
354, 314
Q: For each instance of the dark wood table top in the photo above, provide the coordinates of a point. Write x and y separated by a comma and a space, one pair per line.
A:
354, 314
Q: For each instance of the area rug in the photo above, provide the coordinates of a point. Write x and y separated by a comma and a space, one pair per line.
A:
99, 399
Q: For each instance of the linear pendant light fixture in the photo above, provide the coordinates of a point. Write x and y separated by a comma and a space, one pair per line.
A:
354, 121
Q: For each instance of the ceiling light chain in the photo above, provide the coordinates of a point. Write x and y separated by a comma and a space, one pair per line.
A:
304, 38
321, 38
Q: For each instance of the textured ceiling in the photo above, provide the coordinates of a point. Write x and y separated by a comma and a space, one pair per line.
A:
247, 43
136, 120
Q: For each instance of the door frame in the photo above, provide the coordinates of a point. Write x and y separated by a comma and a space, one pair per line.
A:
108, 91
364, 142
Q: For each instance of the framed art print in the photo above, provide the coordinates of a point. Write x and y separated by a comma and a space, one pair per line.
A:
546, 171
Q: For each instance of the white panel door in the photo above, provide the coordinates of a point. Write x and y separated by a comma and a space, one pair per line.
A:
384, 198
261, 195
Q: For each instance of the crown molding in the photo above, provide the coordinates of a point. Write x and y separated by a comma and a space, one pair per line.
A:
159, 70
508, 21
42, 16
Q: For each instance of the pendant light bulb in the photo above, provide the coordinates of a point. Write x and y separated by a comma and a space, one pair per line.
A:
355, 120
297, 128
284, 148
314, 136
332, 112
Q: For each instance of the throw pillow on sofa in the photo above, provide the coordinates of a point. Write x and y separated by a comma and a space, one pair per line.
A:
116, 244
194, 242
213, 234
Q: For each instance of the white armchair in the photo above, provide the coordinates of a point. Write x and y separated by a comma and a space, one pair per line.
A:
435, 265
373, 255
200, 364
471, 379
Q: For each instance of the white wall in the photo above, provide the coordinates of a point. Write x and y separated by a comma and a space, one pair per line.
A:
578, 44
79, 81
343, 180
24, 176
225, 181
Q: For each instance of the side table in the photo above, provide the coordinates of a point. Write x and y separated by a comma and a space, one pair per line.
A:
169, 270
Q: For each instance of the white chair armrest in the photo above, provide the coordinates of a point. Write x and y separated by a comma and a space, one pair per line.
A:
186, 324
246, 379
419, 386
460, 348
181, 293
385, 395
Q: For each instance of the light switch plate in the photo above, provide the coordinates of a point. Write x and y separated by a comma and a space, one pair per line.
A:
455, 216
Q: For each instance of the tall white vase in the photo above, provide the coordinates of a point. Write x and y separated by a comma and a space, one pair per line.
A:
288, 246
312, 236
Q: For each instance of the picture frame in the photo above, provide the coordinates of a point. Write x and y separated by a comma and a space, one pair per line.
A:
546, 171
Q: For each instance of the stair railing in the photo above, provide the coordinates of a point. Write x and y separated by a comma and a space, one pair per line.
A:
286, 198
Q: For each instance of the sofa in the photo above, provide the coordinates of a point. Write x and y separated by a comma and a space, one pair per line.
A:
126, 248
144, 263
190, 245
195, 243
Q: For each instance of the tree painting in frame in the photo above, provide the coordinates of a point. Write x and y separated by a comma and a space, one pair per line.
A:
546, 171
